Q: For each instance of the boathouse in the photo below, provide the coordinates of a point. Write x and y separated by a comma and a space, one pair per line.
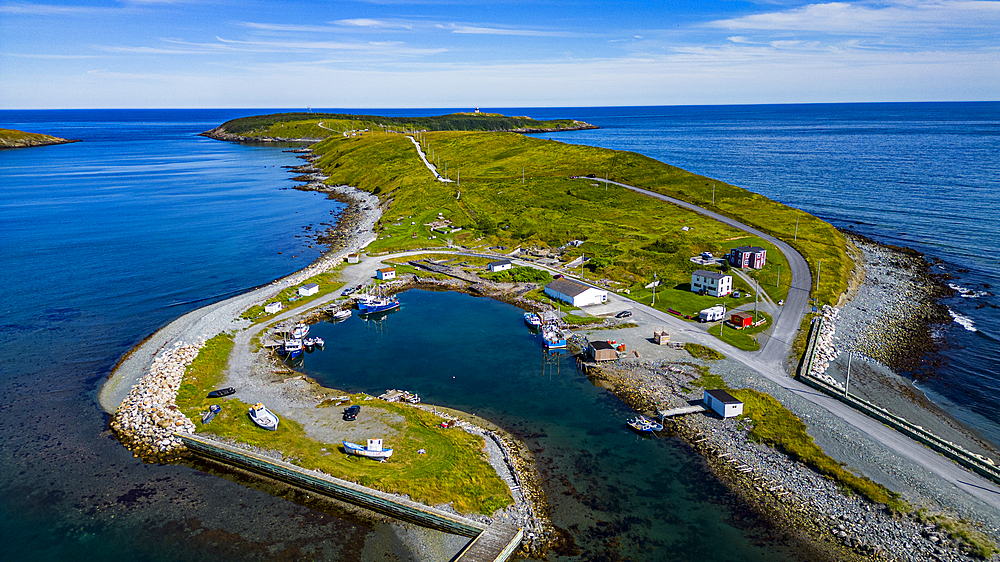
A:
602, 351
502, 265
711, 283
272, 307
386, 273
741, 320
722, 403
308, 290
748, 256
575, 293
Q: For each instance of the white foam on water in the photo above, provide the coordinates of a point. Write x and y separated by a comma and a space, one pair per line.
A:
963, 321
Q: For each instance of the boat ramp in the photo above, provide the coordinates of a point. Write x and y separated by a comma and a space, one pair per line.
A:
694, 409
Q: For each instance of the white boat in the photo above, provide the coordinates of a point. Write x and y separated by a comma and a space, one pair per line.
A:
292, 347
319, 342
341, 315
374, 450
300, 330
263, 417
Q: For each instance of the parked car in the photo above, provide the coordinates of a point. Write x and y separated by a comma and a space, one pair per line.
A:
736, 294
624, 314
351, 414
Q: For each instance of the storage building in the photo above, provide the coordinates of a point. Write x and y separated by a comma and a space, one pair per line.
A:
386, 273
272, 307
748, 256
712, 283
308, 289
602, 351
353, 258
575, 293
722, 403
502, 265
741, 319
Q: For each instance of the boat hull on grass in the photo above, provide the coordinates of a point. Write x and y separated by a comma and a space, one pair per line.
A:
263, 417
372, 451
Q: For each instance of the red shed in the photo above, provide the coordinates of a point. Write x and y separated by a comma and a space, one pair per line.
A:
741, 319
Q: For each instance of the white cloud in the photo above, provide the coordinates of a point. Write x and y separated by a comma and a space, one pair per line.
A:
897, 17
47, 10
477, 30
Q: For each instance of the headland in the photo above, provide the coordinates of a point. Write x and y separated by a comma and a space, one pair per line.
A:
845, 526
10, 138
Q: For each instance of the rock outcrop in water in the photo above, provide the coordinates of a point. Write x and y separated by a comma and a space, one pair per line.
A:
10, 138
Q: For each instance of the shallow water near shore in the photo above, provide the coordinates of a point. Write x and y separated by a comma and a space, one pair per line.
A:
620, 496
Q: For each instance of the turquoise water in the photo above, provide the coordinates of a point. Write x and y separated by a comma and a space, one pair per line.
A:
623, 497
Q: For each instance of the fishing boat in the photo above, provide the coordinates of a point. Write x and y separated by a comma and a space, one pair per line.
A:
219, 393
642, 424
553, 337
341, 315
379, 304
300, 330
532, 320
308, 344
373, 450
292, 347
319, 342
263, 417
210, 414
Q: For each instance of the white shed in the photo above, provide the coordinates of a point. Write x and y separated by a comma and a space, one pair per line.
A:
386, 273
272, 307
722, 403
575, 293
308, 289
502, 265
353, 258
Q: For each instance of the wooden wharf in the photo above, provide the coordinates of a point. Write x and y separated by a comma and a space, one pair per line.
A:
496, 544
681, 411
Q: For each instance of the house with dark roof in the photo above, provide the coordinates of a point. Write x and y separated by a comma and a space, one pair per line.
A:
748, 256
575, 293
722, 403
711, 283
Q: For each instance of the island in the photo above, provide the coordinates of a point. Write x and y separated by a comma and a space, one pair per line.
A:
11, 138
520, 211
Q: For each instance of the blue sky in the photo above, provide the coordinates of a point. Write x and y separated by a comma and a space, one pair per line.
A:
467, 53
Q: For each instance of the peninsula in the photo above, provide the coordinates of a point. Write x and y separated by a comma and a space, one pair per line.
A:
610, 219
10, 138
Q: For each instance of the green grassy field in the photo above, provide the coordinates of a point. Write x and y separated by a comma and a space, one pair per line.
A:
627, 236
453, 470
744, 339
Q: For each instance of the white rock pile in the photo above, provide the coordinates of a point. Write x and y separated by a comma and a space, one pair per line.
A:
148, 417
825, 351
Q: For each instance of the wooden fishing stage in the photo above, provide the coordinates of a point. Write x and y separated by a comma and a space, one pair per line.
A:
697, 408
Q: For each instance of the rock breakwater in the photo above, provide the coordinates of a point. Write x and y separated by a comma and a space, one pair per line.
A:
147, 419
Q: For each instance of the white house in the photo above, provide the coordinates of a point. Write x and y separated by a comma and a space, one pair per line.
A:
308, 289
353, 258
575, 293
386, 273
502, 265
713, 283
722, 403
717, 312
272, 307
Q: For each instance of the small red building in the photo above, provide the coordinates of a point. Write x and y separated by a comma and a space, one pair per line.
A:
741, 319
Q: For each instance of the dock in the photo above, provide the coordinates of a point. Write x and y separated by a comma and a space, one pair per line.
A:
697, 408
496, 544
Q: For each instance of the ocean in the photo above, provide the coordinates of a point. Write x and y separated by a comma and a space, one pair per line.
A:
106, 240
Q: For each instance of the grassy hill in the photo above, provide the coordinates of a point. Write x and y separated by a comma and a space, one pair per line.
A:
11, 138
628, 237
308, 125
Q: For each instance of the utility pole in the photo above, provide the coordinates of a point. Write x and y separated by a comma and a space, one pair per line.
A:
522, 175
778, 280
818, 268
713, 194
850, 355
796, 229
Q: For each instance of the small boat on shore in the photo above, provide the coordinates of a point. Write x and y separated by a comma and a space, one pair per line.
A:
263, 417
210, 414
219, 393
373, 450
